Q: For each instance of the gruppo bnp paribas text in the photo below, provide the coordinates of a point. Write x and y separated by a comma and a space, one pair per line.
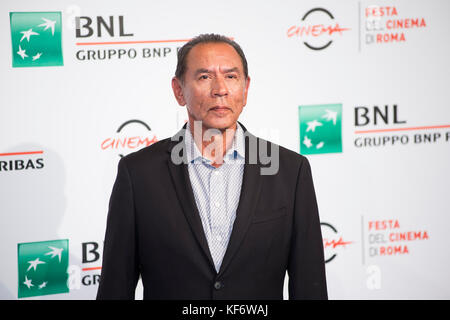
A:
107, 39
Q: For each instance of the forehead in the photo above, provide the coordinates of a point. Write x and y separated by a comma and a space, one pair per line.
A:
210, 55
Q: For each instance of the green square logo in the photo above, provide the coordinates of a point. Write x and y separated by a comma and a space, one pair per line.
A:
43, 267
36, 39
320, 128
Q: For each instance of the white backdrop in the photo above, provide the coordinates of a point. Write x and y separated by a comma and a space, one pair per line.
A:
385, 208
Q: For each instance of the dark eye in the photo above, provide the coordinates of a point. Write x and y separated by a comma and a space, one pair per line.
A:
203, 77
231, 76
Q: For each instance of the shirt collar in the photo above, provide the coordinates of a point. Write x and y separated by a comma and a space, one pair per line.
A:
235, 154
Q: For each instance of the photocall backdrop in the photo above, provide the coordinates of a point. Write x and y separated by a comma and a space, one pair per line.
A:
361, 88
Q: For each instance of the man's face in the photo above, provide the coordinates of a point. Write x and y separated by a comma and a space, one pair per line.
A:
214, 89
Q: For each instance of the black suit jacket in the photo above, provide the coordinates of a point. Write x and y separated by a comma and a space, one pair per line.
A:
154, 230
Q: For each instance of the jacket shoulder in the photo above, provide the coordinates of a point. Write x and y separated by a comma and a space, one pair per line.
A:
156, 153
287, 156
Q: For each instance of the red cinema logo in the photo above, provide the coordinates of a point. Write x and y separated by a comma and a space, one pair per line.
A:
332, 241
130, 136
318, 29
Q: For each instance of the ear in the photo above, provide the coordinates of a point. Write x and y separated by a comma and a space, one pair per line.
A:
247, 85
177, 88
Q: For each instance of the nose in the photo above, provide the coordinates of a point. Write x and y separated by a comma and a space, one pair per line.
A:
219, 87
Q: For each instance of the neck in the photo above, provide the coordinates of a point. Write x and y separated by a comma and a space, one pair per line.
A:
213, 143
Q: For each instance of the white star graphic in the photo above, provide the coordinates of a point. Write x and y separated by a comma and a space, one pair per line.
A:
43, 285
48, 24
37, 56
312, 125
320, 145
55, 252
28, 283
22, 53
307, 142
27, 34
34, 264
330, 115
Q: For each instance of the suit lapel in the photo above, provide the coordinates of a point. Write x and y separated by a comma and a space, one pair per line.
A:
250, 190
185, 194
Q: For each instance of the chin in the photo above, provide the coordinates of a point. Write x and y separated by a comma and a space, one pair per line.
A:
219, 123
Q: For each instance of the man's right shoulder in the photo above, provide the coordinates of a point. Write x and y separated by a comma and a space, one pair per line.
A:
153, 155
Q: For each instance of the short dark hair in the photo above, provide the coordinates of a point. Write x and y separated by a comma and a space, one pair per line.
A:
206, 38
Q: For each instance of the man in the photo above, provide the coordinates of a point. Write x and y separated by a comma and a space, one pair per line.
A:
196, 216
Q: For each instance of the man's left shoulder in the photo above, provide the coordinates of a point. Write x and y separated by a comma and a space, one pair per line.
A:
286, 155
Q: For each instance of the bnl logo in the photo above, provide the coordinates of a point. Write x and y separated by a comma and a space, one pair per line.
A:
42, 268
320, 128
36, 39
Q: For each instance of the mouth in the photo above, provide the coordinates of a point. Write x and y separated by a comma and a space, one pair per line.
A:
220, 109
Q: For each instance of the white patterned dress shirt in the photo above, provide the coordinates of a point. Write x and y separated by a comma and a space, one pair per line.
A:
217, 191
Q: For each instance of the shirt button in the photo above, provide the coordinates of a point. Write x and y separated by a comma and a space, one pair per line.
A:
217, 204
218, 285
219, 238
